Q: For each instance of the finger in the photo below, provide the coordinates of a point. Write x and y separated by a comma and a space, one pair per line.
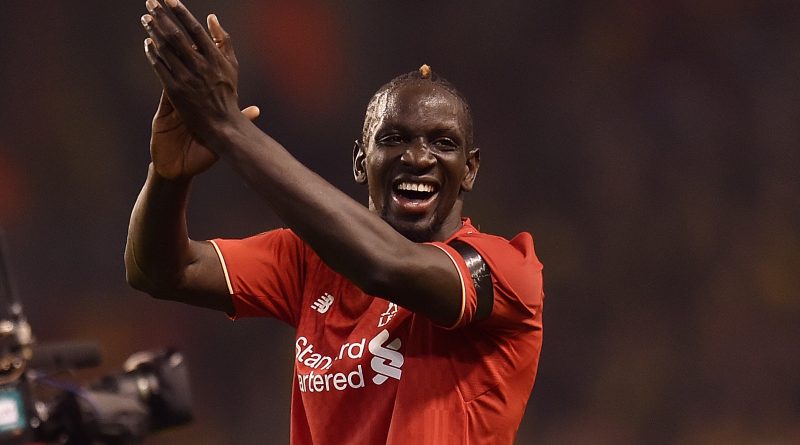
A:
160, 48
193, 27
215, 29
221, 38
170, 33
161, 69
251, 112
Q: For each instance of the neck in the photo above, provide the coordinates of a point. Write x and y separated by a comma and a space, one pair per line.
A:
451, 223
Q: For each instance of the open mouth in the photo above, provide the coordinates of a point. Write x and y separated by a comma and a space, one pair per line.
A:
414, 195
415, 190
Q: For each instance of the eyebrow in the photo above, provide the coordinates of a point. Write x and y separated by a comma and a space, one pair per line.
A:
439, 128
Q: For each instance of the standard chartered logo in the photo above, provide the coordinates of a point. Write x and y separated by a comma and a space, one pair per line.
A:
387, 361
317, 373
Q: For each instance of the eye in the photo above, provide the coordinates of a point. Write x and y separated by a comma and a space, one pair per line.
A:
390, 139
445, 143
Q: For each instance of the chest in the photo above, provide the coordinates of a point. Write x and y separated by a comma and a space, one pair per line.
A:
347, 339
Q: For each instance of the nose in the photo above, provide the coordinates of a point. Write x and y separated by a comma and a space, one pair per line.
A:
418, 155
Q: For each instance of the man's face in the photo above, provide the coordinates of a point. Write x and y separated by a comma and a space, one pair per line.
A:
416, 160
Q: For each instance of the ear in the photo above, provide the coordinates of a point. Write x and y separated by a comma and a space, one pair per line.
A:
359, 163
471, 169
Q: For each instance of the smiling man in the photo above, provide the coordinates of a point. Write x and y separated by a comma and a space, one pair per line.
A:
411, 325
416, 154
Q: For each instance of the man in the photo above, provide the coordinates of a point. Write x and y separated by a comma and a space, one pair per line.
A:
412, 326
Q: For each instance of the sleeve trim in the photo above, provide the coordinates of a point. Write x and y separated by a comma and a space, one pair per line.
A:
224, 266
463, 288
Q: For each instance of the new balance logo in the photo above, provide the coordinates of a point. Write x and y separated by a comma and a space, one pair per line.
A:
387, 361
323, 303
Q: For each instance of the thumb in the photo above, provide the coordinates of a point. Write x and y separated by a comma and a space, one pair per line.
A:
251, 112
221, 38
164, 105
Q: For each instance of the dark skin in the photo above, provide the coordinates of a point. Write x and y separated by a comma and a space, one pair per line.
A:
418, 137
418, 141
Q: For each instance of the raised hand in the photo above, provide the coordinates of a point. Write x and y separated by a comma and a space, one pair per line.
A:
199, 73
176, 154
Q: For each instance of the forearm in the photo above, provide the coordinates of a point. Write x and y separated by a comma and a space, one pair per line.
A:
344, 233
158, 244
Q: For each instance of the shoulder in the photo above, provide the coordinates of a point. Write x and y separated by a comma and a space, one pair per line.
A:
280, 235
250, 255
513, 263
509, 255
262, 244
520, 244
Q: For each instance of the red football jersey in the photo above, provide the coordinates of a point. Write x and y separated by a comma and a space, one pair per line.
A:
370, 372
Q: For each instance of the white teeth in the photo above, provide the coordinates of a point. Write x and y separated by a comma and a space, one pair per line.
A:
415, 187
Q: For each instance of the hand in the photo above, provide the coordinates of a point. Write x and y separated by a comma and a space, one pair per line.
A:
175, 152
199, 73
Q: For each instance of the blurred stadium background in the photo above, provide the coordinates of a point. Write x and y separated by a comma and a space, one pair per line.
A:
652, 148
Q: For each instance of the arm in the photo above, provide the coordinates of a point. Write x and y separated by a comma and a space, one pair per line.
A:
345, 234
160, 259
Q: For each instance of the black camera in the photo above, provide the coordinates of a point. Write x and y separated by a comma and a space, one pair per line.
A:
36, 406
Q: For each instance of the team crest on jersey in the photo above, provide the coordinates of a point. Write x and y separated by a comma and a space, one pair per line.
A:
323, 303
387, 316
387, 361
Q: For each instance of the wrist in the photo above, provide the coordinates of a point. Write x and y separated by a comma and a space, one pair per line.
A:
224, 136
154, 176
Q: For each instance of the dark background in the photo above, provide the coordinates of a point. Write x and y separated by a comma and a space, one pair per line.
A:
650, 147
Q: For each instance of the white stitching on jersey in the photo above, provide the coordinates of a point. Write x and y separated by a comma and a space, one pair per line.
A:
463, 287
224, 266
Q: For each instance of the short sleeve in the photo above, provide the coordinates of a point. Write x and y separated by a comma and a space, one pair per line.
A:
264, 274
516, 282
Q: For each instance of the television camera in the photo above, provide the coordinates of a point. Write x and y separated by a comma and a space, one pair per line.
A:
36, 407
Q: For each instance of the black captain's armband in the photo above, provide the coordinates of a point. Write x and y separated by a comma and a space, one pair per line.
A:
481, 277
